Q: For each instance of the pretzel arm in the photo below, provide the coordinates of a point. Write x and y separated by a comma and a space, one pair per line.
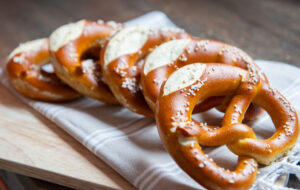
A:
286, 122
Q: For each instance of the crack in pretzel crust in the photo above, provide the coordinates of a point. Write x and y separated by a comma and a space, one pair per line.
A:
166, 74
75, 55
184, 136
178, 53
25, 68
122, 60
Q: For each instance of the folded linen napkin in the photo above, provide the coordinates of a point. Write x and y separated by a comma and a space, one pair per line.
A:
130, 144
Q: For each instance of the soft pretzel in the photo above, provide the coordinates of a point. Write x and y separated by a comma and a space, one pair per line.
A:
177, 53
182, 135
75, 51
27, 68
122, 59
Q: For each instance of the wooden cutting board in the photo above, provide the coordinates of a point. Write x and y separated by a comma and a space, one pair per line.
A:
34, 146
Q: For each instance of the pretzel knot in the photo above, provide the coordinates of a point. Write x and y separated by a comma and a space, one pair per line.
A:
183, 136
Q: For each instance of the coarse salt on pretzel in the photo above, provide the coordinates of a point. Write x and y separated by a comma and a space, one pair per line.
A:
75, 51
31, 73
170, 56
182, 135
122, 59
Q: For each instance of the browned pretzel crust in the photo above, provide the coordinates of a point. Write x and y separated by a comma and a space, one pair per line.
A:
122, 73
182, 135
196, 50
24, 67
75, 60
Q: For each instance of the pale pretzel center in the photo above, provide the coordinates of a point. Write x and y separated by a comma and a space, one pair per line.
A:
165, 54
127, 41
27, 46
184, 77
65, 34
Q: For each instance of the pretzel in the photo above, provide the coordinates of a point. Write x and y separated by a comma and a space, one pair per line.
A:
27, 68
2, 185
122, 59
183, 136
172, 55
75, 51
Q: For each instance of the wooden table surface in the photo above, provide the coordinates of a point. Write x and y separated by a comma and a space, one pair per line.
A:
31, 145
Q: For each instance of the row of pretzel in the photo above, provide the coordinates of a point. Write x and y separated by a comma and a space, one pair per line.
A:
167, 74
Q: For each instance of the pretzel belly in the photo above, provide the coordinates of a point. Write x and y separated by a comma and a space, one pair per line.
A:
196, 50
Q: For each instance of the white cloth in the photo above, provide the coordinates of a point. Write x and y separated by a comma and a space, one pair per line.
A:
130, 144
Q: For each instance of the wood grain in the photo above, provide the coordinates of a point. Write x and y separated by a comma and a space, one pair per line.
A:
31, 145
268, 29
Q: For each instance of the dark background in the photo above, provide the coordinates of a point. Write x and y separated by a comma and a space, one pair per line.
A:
266, 29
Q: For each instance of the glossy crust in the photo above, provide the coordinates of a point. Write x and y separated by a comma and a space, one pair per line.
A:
122, 74
183, 136
204, 51
75, 62
27, 76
